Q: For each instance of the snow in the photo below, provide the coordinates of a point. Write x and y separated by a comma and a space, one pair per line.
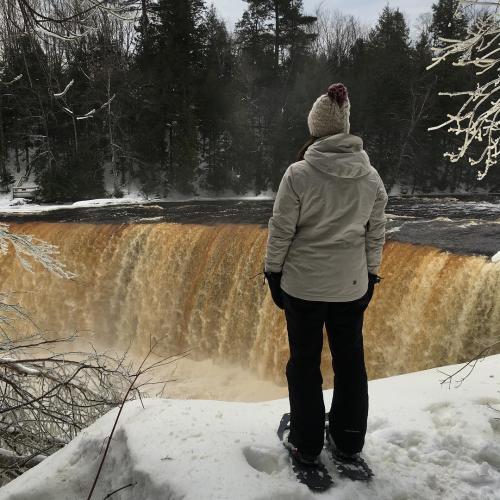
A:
395, 229
19, 367
133, 194
9, 206
425, 441
496, 257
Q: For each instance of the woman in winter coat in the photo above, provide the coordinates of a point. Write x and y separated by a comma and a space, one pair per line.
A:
323, 255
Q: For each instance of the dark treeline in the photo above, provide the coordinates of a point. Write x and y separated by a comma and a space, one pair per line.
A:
174, 102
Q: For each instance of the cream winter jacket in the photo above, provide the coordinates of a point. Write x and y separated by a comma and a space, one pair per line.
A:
328, 225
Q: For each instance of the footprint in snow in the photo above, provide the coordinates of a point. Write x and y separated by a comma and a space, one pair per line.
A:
264, 459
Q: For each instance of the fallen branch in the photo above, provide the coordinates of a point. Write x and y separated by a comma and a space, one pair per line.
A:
132, 387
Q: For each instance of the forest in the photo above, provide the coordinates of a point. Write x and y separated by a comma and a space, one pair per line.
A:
163, 96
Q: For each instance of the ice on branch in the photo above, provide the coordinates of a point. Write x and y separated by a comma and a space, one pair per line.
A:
48, 21
52, 34
29, 249
63, 93
477, 121
108, 102
14, 80
88, 115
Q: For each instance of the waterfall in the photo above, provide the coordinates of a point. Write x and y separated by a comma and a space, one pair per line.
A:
191, 286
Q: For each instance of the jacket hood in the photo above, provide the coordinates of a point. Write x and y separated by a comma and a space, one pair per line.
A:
339, 155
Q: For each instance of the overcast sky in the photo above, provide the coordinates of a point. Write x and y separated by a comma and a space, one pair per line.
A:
366, 10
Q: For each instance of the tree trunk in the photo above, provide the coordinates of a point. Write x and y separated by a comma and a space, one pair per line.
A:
114, 167
3, 152
18, 163
27, 154
277, 28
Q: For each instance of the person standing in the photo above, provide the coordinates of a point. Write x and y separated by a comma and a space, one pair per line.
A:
323, 256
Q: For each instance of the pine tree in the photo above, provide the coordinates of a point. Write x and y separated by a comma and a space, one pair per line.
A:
274, 38
215, 98
385, 62
171, 44
448, 21
422, 154
25, 105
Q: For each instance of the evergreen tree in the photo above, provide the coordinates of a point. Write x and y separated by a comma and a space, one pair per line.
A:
172, 43
385, 63
274, 39
25, 105
448, 21
215, 98
198, 108
421, 157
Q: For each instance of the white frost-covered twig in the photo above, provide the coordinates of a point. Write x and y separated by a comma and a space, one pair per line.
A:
477, 120
63, 93
88, 115
14, 80
29, 249
47, 20
92, 112
19, 367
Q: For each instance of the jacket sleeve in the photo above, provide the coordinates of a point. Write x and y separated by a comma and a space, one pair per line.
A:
283, 224
375, 234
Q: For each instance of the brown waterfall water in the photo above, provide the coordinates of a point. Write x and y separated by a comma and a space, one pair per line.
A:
191, 286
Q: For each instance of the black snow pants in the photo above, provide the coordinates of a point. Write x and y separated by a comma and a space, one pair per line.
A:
349, 410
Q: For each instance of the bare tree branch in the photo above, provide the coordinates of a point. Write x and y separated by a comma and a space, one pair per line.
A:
458, 377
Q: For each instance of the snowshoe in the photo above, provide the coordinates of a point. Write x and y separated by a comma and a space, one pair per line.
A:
307, 469
352, 466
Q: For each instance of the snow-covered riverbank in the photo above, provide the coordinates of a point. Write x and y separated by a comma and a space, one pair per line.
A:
425, 441
9, 205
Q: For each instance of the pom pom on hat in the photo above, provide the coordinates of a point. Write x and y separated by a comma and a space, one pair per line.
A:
338, 92
330, 113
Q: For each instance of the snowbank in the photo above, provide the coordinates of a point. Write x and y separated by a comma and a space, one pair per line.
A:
425, 441
20, 205
8, 205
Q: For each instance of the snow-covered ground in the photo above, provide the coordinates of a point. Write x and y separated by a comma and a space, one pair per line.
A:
425, 441
134, 196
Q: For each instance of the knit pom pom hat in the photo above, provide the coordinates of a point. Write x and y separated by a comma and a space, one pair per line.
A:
330, 113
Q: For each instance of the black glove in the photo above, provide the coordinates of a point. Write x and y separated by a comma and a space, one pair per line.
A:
373, 279
274, 280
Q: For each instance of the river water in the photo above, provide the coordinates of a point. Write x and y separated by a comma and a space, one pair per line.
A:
466, 225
